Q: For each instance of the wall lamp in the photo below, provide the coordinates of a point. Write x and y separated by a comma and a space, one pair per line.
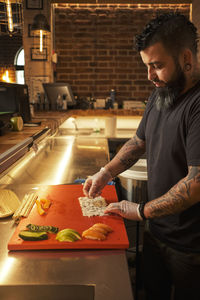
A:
40, 27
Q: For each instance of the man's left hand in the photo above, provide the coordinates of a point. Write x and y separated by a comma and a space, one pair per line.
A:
124, 208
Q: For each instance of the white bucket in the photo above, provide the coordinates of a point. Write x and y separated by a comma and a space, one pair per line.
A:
133, 182
110, 126
138, 171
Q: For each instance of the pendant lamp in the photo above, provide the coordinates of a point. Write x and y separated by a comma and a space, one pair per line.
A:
10, 16
40, 27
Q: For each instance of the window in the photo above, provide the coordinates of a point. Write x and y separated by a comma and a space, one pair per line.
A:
19, 66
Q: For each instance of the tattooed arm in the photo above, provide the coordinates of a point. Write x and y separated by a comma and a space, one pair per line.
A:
180, 197
125, 158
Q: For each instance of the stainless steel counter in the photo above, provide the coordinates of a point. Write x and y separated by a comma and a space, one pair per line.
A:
98, 274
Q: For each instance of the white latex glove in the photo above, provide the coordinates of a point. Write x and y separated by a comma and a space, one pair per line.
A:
94, 184
124, 208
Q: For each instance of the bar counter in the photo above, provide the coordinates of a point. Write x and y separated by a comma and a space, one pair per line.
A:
57, 274
53, 119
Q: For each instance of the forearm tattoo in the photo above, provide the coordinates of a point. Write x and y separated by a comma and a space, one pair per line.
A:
131, 151
180, 197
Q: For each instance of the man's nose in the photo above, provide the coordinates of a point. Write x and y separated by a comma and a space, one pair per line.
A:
151, 73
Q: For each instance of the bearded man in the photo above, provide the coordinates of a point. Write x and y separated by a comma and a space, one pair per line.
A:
169, 132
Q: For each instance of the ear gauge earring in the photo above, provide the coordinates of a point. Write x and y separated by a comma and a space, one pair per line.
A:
187, 67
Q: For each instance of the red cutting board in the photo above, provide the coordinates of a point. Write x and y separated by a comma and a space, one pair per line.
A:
65, 212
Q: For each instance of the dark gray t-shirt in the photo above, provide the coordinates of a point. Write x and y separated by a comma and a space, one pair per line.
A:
172, 144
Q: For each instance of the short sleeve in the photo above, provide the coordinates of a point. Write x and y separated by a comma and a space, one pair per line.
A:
193, 135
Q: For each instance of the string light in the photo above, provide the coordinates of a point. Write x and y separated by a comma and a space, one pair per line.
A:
5, 76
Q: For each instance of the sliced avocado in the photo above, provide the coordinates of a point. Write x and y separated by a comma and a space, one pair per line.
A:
65, 238
68, 234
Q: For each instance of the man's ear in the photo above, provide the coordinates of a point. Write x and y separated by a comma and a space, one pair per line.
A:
187, 56
186, 60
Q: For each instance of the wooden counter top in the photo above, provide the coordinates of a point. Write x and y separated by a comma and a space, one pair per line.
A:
52, 120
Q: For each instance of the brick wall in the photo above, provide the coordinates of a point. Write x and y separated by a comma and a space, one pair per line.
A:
196, 19
95, 48
8, 49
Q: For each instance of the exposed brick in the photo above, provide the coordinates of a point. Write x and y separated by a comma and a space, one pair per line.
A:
95, 42
84, 88
102, 70
123, 82
9, 45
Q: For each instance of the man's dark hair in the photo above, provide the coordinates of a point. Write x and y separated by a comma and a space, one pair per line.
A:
173, 30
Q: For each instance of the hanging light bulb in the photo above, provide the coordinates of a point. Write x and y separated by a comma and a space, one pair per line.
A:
9, 16
41, 41
41, 26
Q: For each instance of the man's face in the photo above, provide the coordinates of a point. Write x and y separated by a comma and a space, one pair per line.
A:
165, 73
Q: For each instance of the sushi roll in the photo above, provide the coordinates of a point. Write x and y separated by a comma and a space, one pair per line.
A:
93, 234
103, 226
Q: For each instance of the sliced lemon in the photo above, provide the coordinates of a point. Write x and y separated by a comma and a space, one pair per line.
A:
17, 123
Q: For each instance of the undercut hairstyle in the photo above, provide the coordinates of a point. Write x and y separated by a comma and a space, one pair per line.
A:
173, 30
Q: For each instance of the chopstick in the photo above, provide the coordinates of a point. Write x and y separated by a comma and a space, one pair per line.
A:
25, 207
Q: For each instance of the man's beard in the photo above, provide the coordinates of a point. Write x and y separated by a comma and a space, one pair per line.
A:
166, 96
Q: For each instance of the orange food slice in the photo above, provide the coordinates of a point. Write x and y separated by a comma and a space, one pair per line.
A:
40, 210
93, 235
103, 226
45, 203
99, 229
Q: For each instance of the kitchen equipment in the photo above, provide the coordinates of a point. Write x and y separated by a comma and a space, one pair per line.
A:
59, 89
14, 99
5, 125
133, 182
65, 212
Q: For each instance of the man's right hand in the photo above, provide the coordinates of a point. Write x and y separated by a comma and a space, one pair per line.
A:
94, 184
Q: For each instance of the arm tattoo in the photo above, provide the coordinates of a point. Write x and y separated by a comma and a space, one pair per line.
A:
180, 197
131, 151
194, 172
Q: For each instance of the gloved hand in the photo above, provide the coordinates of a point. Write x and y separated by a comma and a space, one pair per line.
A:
124, 208
94, 184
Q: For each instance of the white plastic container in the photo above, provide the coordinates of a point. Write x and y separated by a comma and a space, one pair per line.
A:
133, 182
110, 126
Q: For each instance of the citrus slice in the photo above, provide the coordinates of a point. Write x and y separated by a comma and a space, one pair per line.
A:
17, 123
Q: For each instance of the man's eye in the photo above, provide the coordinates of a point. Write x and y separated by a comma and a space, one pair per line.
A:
157, 67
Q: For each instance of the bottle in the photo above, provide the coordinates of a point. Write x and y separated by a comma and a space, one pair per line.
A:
64, 105
58, 102
112, 97
115, 105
